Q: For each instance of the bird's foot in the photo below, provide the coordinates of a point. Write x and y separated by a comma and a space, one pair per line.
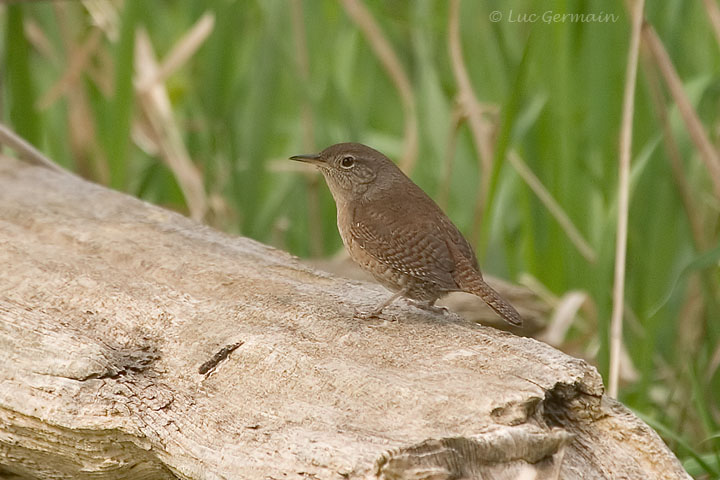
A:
365, 315
429, 307
374, 315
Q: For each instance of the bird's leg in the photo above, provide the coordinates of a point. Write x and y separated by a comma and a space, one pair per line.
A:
430, 306
375, 313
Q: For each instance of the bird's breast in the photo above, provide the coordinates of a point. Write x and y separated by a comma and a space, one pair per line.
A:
344, 222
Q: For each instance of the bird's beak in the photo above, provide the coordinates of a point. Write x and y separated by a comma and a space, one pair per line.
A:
314, 158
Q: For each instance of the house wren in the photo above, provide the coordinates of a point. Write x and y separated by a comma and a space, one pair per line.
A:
392, 229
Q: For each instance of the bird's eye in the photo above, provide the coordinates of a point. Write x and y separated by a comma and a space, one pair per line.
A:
347, 162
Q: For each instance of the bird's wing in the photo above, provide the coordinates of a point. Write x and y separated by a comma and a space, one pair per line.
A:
412, 244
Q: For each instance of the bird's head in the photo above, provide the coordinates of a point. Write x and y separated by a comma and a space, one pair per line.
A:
352, 169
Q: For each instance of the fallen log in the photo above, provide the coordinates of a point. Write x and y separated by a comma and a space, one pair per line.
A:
110, 309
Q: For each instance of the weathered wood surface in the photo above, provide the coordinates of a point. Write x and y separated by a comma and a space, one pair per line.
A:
108, 307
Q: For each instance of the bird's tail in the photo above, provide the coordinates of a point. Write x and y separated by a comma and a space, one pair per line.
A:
474, 283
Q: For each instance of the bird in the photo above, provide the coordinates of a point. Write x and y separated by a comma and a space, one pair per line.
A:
394, 230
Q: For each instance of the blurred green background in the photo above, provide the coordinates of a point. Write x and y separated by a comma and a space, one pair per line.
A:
197, 105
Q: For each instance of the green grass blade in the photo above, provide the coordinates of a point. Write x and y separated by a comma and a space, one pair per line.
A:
21, 92
512, 105
669, 433
118, 140
700, 262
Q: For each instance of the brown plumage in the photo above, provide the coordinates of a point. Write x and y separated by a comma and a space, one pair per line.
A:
391, 228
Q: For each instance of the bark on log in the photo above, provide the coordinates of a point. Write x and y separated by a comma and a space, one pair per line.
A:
109, 306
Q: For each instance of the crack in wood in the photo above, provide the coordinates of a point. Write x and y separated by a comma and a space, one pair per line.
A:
221, 355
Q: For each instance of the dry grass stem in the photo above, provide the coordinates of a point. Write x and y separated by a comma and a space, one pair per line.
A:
24, 150
40, 42
105, 16
480, 128
79, 58
692, 121
89, 159
713, 366
626, 128
181, 52
713, 12
384, 51
564, 314
553, 207
82, 138
155, 104
673, 152
457, 118
538, 288
65, 29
